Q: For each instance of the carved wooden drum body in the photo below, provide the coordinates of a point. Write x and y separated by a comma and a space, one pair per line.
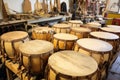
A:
63, 41
43, 33
34, 55
71, 65
80, 32
10, 42
61, 28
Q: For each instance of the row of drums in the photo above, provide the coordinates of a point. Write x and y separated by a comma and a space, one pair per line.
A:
81, 58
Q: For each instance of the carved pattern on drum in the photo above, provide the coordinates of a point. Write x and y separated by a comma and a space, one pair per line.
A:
71, 69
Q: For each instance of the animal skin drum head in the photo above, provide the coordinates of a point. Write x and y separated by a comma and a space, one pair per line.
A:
76, 21
61, 25
64, 36
80, 29
108, 29
35, 47
94, 24
95, 44
43, 29
14, 35
105, 35
72, 63
113, 26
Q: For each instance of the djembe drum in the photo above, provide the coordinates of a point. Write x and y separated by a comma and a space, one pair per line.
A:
10, 42
63, 41
61, 28
71, 65
35, 54
42, 33
75, 23
100, 50
80, 32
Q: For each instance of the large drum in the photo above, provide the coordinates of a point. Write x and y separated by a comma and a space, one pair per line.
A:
71, 65
10, 42
94, 26
42, 33
80, 32
113, 39
63, 41
61, 28
100, 50
75, 23
35, 54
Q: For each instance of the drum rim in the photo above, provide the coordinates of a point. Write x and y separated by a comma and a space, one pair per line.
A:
98, 52
104, 38
69, 74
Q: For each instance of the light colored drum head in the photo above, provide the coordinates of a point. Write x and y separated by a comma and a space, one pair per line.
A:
80, 29
76, 21
64, 36
36, 47
43, 29
94, 24
14, 35
94, 45
72, 63
105, 35
108, 29
113, 26
61, 26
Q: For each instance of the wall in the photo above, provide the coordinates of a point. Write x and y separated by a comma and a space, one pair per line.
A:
1, 17
17, 4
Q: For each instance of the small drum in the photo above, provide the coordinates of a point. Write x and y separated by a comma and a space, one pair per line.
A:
34, 55
75, 23
80, 32
113, 39
94, 26
113, 26
42, 33
61, 28
100, 50
111, 30
71, 65
10, 42
64, 41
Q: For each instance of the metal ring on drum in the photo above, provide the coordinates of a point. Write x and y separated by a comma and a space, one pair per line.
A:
10, 42
35, 54
80, 32
63, 41
100, 50
43, 33
61, 28
71, 65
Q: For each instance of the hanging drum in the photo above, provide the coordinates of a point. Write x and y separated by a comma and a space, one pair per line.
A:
10, 42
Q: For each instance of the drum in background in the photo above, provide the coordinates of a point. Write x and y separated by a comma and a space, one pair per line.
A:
63, 41
35, 54
111, 30
43, 33
100, 50
113, 39
61, 28
94, 26
75, 23
10, 42
80, 32
113, 26
71, 65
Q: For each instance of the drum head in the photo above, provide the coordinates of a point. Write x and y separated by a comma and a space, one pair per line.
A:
80, 29
64, 36
14, 35
42, 30
108, 29
94, 45
105, 35
72, 63
113, 26
94, 24
61, 26
76, 21
36, 47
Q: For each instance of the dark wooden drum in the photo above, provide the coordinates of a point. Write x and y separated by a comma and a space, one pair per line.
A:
35, 54
10, 42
